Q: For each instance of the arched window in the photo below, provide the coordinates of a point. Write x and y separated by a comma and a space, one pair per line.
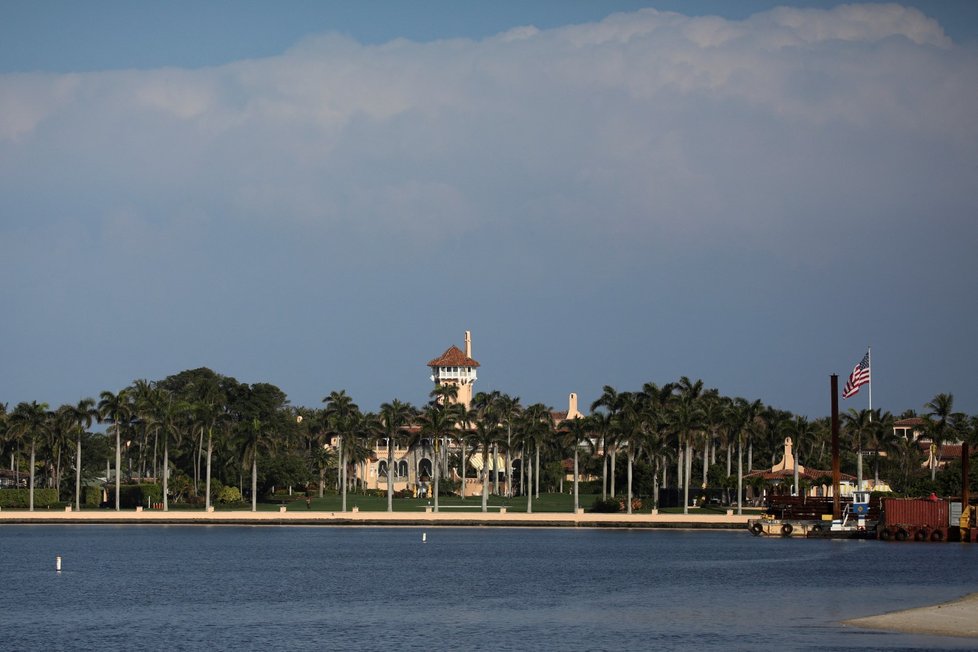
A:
402, 468
382, 468
424, 469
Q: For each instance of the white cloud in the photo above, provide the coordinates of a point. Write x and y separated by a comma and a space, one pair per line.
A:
653, 120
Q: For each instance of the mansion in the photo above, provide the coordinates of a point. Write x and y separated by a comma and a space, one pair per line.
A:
412, 467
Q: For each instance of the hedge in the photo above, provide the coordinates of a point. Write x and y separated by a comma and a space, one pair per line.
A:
91, 496
137, 495
21, 497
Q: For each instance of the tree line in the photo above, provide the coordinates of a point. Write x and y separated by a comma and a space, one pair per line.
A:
200, 433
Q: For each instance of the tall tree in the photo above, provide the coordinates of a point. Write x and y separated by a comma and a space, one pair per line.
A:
340, 418
575, 432
29, 421
395, 417
939, 417
117, 410
437, 420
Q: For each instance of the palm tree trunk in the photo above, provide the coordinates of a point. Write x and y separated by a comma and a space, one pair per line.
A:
740, 477
32, 477
485, 478
78, 467
529, 493
536, 472
614, 450
156, 468
495, 471
435, 469
689, 467
750, 454
199, 453
729, 464
342, 472
166, 479
679, 465
509, 461
210, 451
577, 502
390, 475
604, 470
629, 479
706, 459
254, 479
118, 464
655, 483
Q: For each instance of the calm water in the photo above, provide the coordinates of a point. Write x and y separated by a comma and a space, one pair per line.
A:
298, 588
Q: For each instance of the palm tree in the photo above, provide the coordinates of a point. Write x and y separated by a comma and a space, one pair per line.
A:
117, 410
508, 409
611, 402
575, 431
29, 421
338, 415
940, 414
485, 434
858, 426
535, 429
82, 414
685, 419
881, 437
395, 417
437, 421
745, 418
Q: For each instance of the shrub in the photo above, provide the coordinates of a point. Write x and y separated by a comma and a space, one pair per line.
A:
91, 496
608, 506
21, 497
138, 495
229, 495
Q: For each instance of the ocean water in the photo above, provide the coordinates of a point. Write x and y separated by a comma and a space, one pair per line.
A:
345, 588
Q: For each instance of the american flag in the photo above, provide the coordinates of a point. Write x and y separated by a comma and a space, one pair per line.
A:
858, 377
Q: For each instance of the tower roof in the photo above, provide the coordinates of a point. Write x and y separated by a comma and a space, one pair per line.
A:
453, 357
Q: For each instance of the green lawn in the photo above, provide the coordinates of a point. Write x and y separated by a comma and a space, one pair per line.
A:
545, 503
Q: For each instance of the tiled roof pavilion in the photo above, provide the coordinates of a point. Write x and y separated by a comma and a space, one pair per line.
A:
453, 357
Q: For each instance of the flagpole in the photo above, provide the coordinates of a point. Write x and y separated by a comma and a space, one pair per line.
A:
869, 359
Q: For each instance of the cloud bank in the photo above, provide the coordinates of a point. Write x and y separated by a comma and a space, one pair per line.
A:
625, 149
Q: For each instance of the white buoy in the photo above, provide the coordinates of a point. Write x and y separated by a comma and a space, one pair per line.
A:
57, 563
424, 539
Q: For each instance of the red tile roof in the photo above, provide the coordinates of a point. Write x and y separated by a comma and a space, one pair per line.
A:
810, 474
907, 423
946, 451
453, 357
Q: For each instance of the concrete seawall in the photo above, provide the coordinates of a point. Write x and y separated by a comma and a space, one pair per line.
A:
383, 519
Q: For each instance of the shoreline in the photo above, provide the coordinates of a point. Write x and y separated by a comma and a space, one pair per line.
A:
957, 618
383, 519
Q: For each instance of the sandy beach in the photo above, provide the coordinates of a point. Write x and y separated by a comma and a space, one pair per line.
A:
954, 618
442, 518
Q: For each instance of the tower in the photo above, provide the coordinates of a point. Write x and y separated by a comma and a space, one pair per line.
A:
453, 367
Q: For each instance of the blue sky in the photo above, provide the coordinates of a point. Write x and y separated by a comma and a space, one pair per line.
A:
326, 195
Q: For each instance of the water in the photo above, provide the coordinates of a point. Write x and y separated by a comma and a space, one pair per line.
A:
321, 588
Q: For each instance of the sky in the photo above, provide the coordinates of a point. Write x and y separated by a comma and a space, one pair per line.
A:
325, 196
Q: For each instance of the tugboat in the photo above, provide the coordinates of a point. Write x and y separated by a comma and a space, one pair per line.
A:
809, 516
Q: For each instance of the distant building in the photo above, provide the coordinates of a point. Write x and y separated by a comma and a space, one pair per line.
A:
412, 467
781, 477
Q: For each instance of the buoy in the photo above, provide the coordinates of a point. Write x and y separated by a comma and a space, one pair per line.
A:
57, 563
424, 539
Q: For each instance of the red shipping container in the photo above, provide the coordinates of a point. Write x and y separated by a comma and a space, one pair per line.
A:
919, 512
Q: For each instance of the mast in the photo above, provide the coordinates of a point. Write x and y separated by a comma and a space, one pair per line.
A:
836, 506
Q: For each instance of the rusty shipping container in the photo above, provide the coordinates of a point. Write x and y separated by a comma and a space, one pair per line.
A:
919, 512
